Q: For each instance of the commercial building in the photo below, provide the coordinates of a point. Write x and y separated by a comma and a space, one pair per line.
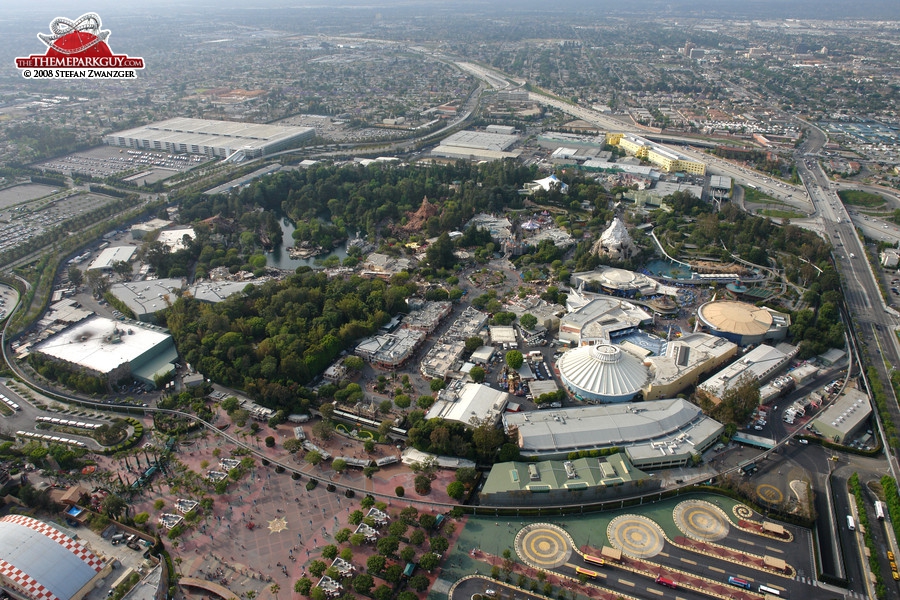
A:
601, 320
442, 358
500, 227
654, 435
760, 364
211, 138
390, 350
685, 361
616, 282
428, 316
666, 159
581, 480
472, 404
114, 350
602, 373
40, 562
216, 291
108, 257
742, 323
846, 417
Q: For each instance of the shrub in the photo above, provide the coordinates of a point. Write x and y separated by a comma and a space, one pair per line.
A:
399, 491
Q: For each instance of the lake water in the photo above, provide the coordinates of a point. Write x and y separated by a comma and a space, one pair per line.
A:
664, 268
280, 259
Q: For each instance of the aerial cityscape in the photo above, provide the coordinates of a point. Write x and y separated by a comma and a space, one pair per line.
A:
427, 301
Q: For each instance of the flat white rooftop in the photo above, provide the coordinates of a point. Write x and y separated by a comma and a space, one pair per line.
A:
101, 344
174, 238
110, 256
206, 132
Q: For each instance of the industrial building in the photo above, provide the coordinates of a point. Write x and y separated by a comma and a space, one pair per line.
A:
140, 230
40, 562
845, 417
686, 360
145, 298
471, 404
564, 482
654, 435
108, 257
601, 320
114, 350
666, 159
477, 145
760, 364
742, 323
173, 239
221, 139
216, 291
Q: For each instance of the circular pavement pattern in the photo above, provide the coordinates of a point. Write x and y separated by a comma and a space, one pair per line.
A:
701, 520
636, 536
769, 493
543, 545
742, 512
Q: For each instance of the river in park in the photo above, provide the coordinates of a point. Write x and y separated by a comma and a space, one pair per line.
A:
280, 259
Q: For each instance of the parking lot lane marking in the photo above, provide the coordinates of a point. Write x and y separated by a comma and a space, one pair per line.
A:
688, 561
666, 554
626, 582
771, 549
716, 569
654, 591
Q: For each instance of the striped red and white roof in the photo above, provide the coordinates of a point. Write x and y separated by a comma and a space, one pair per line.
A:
42, 561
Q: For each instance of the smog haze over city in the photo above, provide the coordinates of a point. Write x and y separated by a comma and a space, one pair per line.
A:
419, 300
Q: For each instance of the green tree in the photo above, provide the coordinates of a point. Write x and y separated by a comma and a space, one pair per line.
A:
514, 359
399, 491
437, 385
317, 567
375, 563
302, 586
429, 561
113, 506
408, 554
456, 490
417, 537
387, 546
473, 343
383, 592
477, 374
313, 457
419, 583
438, 544
270, 441
339, 465
425, 402
393, 573
330, 551
528, 321
342, 536
402, 401
363, 583
356, 517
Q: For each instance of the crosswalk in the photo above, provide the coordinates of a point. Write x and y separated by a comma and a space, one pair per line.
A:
815, 583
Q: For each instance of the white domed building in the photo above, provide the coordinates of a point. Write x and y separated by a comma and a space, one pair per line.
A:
603, 373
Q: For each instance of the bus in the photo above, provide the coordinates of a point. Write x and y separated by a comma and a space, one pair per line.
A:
879, 510
594, 560
764, 589
586, 572
738, 582
666, 582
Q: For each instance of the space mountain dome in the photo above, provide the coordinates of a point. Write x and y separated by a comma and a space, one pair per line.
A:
603, 373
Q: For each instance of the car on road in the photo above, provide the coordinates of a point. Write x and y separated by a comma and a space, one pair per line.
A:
802, 441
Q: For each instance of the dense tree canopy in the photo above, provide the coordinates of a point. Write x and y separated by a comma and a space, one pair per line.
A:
276, 337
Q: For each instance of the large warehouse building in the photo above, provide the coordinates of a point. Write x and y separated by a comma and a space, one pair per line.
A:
114, 350
654, 435
684, 362
742, 323
40, 562
211, 138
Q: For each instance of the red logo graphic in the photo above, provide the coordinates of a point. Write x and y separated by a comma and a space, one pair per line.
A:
78, 50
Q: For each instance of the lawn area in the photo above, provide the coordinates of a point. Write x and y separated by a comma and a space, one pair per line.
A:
860, 198
780, 214
758, 197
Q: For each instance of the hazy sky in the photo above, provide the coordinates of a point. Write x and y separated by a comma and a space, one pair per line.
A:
879, 9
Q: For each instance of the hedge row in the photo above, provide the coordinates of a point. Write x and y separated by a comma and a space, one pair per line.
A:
132, 439
874, 565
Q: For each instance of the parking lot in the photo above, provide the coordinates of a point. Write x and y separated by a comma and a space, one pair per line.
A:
105, 161
36, 218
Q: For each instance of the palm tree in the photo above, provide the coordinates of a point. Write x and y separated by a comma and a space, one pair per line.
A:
251, 594
275, 588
